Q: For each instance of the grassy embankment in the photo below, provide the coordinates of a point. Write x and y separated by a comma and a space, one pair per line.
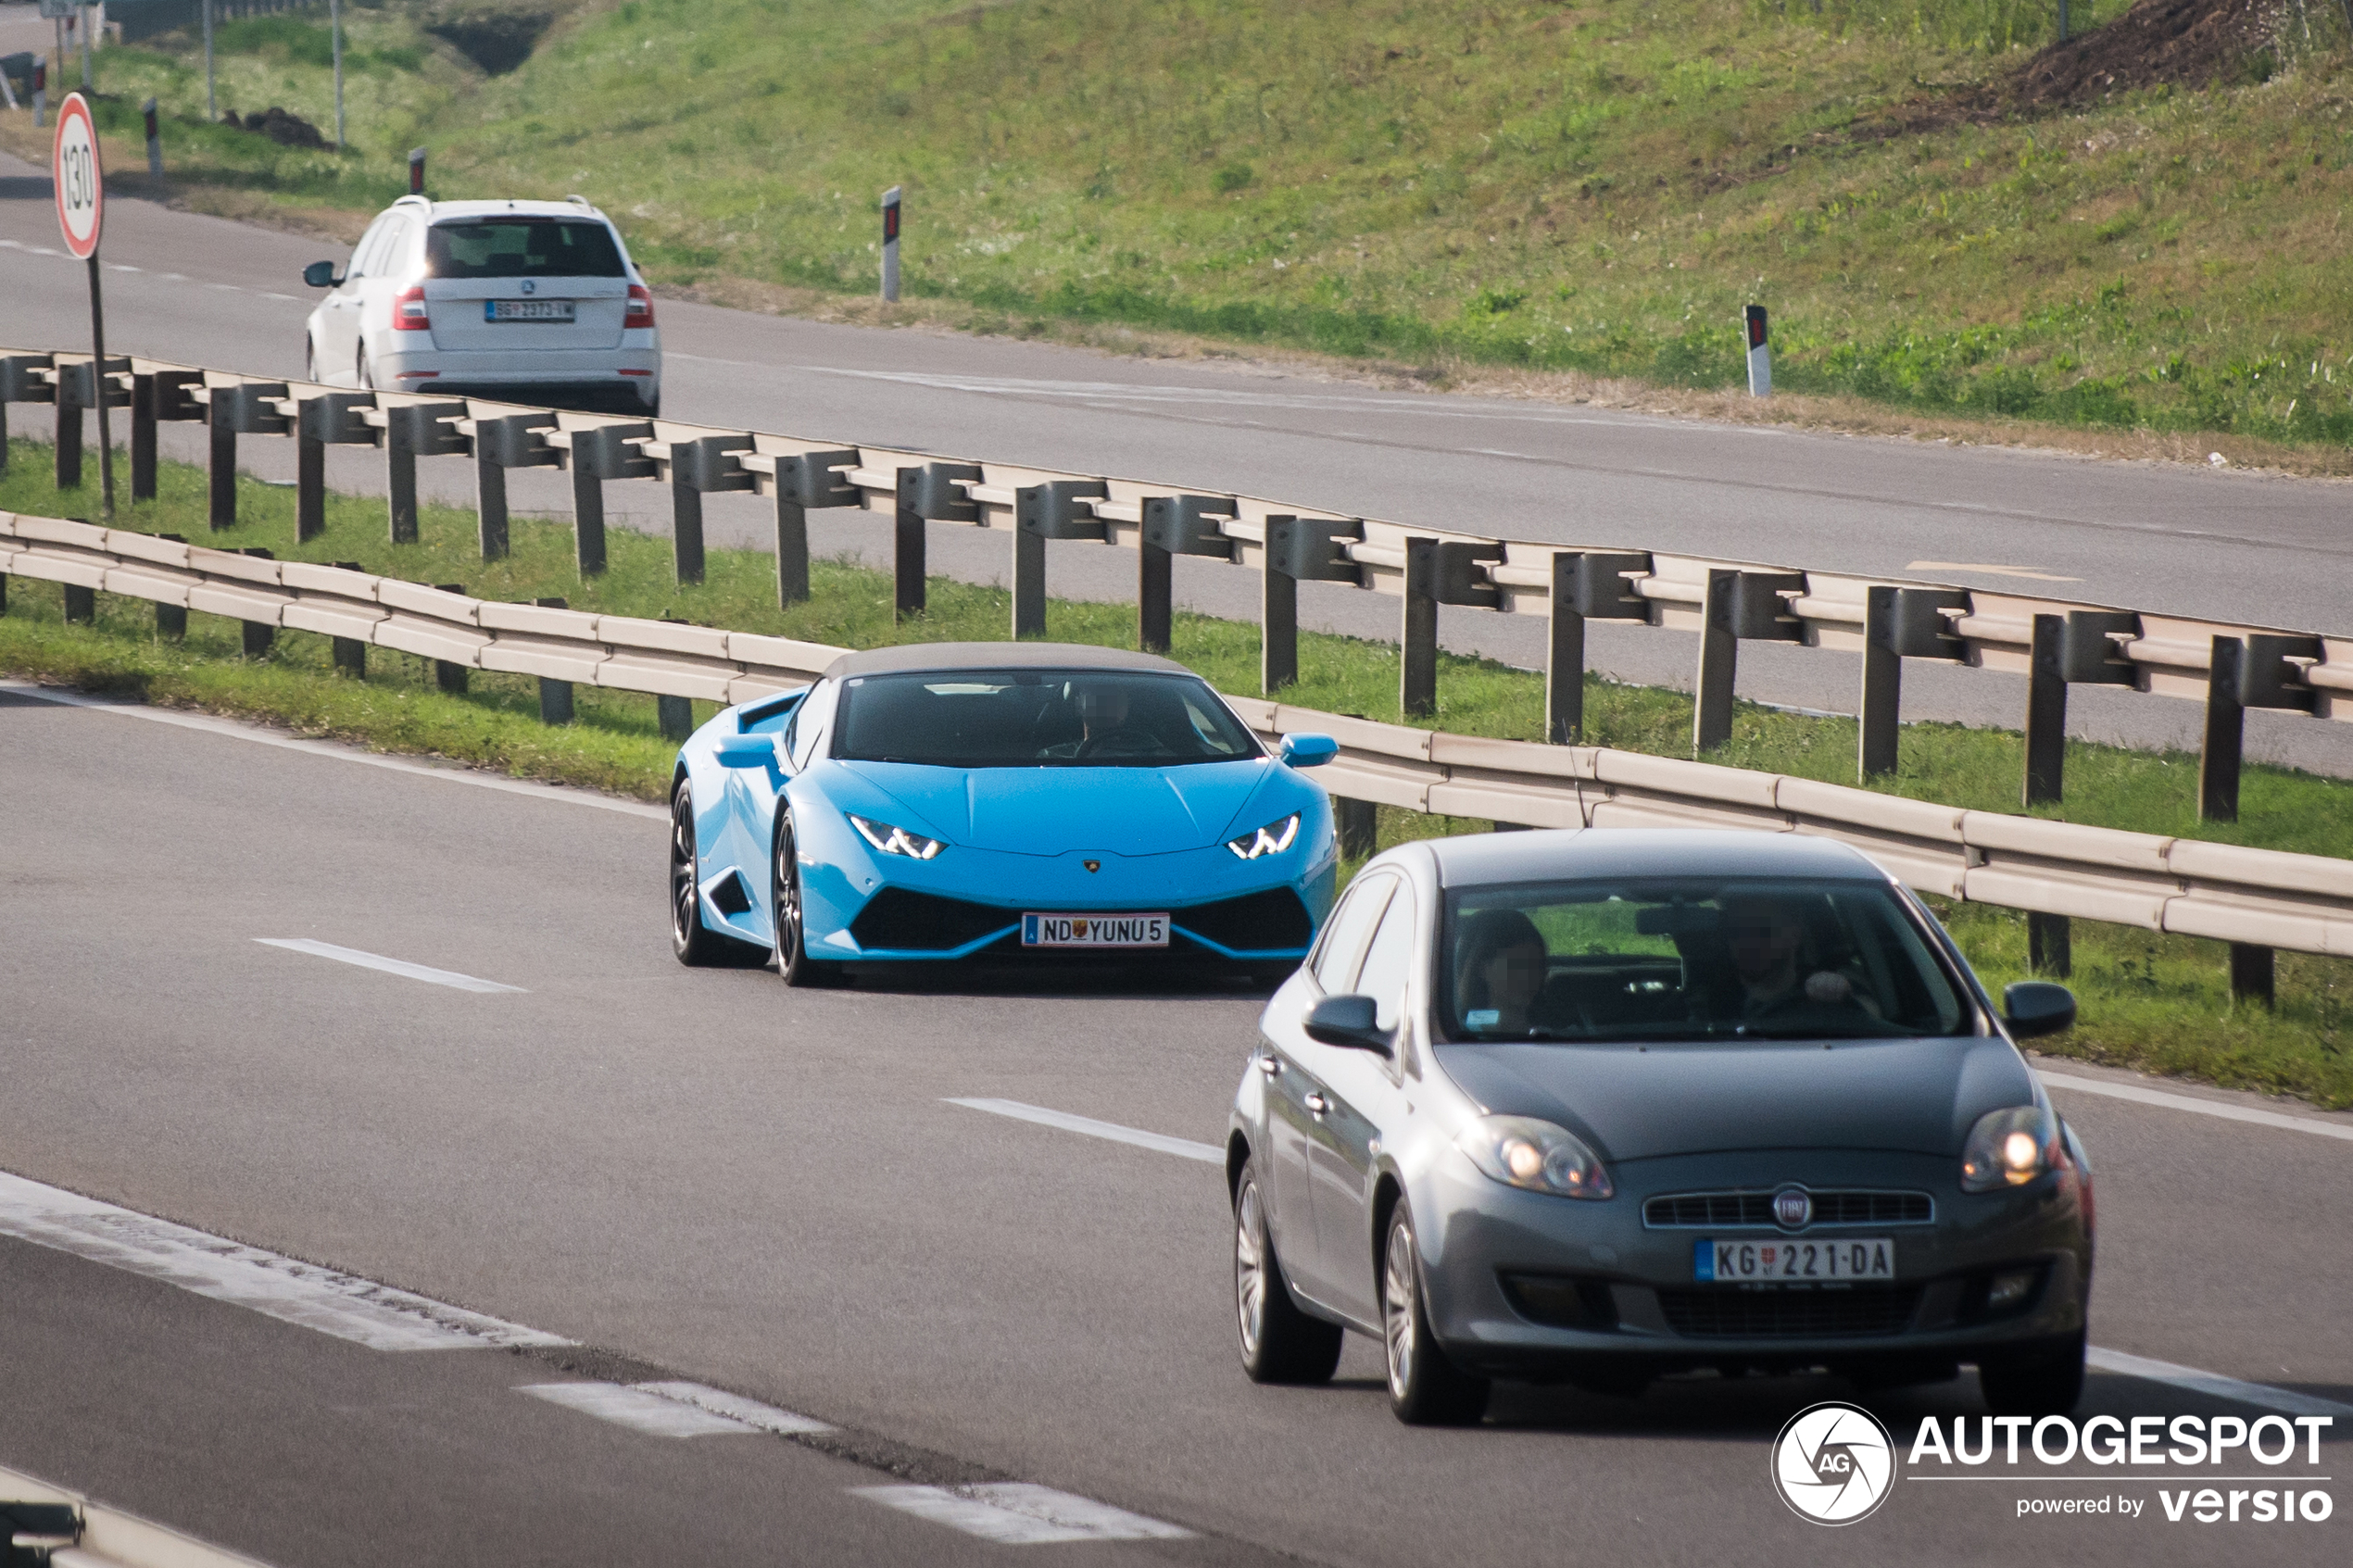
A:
2157, 1002
1595, 188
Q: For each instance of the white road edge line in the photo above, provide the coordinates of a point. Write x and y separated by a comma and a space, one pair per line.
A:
634, 1408
1020, 1514
331, 749
353, 956
2258, 1394
1184, 1148
735, 1406
304, 1294
2197, 1107
2262, 1395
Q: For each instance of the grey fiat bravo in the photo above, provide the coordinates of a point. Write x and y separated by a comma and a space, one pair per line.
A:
1597, 1106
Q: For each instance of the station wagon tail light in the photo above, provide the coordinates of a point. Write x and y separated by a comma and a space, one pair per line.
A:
1272, 839
896, 841
1522, 1152
640, 312
2008, 1148
409, 311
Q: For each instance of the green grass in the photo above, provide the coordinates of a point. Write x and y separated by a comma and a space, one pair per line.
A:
2161, 1003
1513, 181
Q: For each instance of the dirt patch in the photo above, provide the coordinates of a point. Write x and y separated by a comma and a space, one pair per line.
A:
2158, 43
286, 130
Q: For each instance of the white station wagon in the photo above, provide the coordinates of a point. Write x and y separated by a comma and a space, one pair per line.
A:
536, 302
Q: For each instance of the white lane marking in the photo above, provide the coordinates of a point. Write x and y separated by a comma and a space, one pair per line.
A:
1019, 1514
258, 737
634, 1408
2199, 1107
1184, 1148
353, 956
267, 295
2220, 1388
2026, 571
123, 267
304, 1294
735, 1406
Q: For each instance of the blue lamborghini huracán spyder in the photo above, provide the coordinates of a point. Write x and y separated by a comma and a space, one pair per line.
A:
955, 799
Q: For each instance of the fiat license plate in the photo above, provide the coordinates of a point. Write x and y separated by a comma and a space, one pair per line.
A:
1783, 1260
526, 309
1094, 931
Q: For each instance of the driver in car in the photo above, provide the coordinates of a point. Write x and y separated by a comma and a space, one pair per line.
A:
1767, 940
1503, 968
1105, 729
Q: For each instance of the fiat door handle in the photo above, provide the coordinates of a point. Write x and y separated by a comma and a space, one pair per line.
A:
1317, 1105
1271, 1066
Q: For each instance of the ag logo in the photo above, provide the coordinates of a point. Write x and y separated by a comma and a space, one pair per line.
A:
1833, 1463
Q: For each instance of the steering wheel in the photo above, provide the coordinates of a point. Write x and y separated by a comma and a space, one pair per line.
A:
1137, 740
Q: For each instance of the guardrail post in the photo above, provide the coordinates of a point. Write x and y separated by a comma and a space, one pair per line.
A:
24, 378
925, 494
1277, 618
490, 504
171, 620
677, 716
82, 604
555, 696
2045, 712
143, 437
259, 635
705, 463
2225, 742
221, 500
1417, 632
2253, 974
598, 453
686, 534
1881, 708
587, 519
69, 452
1564, 655
1718, 661
1356, 824
1051, 510
2050, 944
1173, 526
508, 440
806, 481
351, 653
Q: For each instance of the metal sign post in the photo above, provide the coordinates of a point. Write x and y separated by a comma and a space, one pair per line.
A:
81, 210
890, 244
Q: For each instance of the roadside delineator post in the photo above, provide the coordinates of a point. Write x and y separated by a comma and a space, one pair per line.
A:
1760, 353
891, 244
416, 171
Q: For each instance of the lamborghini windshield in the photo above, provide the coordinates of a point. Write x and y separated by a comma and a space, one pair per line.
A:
1038, 718
1694, 958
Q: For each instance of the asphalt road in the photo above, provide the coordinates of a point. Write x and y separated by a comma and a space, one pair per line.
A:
703, 1175
2234, 545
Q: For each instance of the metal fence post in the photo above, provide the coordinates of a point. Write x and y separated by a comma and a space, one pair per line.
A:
677, 716
1155, 596
1882, 706
351, 653
1173, 526
934, 492
1278, 617
1718, 661
82, 604
1029, 584
1357, 825
2045, 713
1417, 632
171, 620
806, 480
142, 436
257, 635
1564, 656
555, 696
490, 502
1056, 509
400, 481
587, 518
907, 564
449, 676
2225, 742
2254, 973
69, 452
2050, 944
222, 499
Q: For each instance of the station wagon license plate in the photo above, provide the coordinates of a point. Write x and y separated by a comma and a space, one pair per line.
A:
1786, 1260
1094, 931
526, 309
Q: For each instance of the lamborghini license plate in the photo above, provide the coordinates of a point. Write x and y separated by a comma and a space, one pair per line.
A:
1094, 931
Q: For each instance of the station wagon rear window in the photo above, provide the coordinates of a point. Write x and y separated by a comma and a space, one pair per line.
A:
523, 248
1692, 958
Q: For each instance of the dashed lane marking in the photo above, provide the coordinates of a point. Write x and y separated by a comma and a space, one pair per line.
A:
304, 1294
402, 967
2198, 1106
636, 1409
1019, 1514
735, 1406
1184, 1148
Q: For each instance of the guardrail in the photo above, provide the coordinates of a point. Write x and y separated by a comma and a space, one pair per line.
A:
2256, 898
46, 1523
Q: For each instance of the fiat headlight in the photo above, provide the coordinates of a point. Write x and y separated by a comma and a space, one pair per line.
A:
1272, 839
2009, 1148
896, 841
1521, 1151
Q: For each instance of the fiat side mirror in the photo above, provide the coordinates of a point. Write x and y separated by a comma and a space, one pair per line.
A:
745, 751
2035, 1007
1351, 1022
320, 275
1309, 751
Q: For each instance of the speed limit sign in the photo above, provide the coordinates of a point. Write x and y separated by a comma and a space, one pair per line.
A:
81, 193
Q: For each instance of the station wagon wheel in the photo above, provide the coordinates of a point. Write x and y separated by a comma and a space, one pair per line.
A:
1279, 1343
792, 916
1424, 1389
